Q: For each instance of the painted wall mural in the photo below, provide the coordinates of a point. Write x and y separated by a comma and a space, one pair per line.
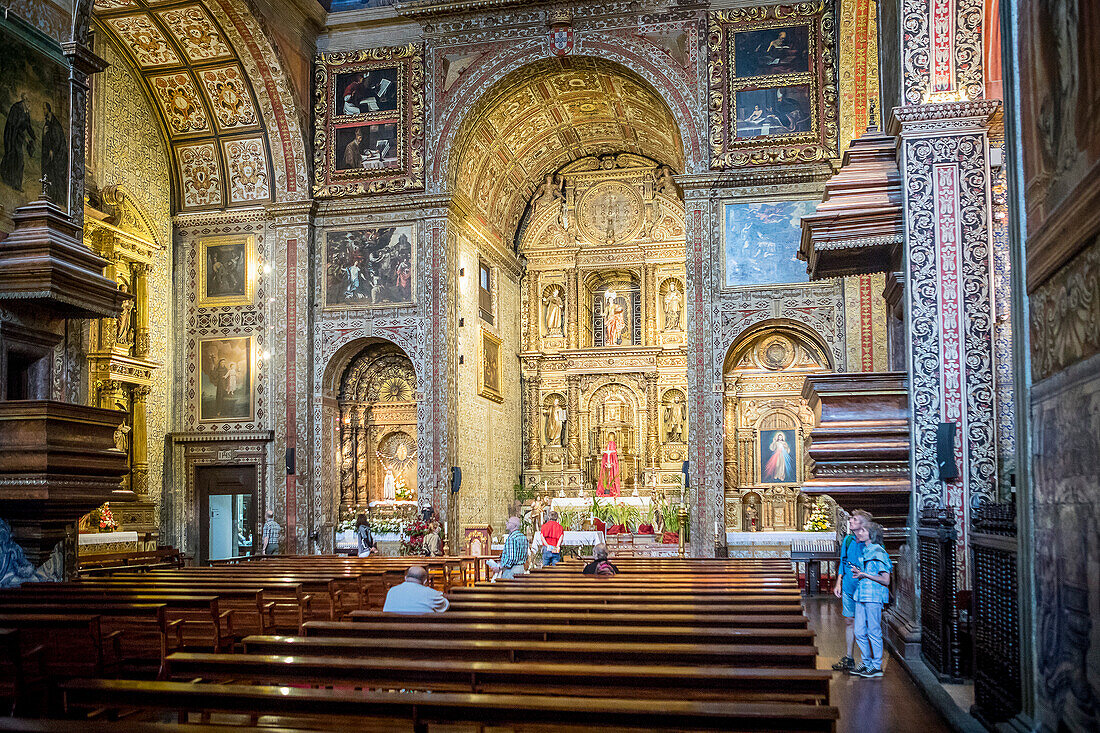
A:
368, 268
761, 241
34, 116
369, 128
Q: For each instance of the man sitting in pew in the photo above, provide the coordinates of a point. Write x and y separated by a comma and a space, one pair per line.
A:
413, 596
600, 565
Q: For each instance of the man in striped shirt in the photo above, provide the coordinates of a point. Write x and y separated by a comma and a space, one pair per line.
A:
514, 554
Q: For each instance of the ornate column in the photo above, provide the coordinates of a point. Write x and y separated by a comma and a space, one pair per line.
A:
573, 308
534, 423
652, 305
573, 420
111, 394
362, 457
141, 309
347, 457
729, 434
139, 441
652, 418
534, 305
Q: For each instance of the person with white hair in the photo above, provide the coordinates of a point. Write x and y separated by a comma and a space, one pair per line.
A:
514, 554
414, 596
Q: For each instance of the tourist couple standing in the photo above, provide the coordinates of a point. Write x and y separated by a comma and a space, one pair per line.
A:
863, 585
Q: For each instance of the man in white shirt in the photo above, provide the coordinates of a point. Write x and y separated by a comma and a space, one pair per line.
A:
413, 596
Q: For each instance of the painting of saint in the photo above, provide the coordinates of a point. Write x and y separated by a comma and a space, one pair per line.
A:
761, 242
777, 459
371, 90
367, 147
368, 268
225, 382
773, 111
783, 50
490, 366
34, 119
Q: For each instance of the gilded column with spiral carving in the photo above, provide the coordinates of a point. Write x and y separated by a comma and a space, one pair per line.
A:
362, 458
347, 456
572, 306
534, 437
652, 432
729, 433
573, 419
534, 303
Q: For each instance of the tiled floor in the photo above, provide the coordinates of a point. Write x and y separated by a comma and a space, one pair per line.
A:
890, 704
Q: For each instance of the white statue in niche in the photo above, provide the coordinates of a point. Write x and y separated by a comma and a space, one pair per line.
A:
389, 490
555, 423
673, 301
554, 304
674, 420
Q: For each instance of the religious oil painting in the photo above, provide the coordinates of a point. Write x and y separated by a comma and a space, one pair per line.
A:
761, 242
368, 90
488, 380
778, 464
370, 268
770, 51
773, 111
367, 147
34, 115
225, 385
369, 122
227, 271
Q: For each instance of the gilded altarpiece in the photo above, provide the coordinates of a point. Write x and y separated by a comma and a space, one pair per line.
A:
766, 424
120, 364
603, 327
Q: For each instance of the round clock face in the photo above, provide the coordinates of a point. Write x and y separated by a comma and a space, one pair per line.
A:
395, 389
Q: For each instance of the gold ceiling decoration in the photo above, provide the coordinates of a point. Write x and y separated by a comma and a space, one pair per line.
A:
546, 115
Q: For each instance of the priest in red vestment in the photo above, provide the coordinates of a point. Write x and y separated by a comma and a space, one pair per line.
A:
610, 479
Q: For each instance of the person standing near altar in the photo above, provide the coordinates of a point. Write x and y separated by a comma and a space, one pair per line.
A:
610, 478
552, 533
514, 554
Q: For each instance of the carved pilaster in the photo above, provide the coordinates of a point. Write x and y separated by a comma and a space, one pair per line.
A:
729, 434
573, 424
652, 419
362, 459
534, 330
573, 298
347, 457
534, 424
651, 299
141, 309
139, 441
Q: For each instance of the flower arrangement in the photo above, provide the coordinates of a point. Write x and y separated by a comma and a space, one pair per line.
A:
401, 492
106, 520
413, 534
819, 517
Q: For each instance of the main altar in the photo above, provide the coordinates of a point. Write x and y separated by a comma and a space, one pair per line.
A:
603, 363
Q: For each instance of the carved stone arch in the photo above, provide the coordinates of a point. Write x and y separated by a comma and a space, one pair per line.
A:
798, 334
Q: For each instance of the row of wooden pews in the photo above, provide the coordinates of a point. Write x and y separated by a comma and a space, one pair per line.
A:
668, 644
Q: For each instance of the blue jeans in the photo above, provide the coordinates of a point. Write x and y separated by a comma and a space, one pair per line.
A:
550, 558
869, 633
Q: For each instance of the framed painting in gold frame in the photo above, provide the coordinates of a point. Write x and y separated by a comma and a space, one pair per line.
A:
226, 379
370, 267
773, 85
226, 270
369, 122
489, 364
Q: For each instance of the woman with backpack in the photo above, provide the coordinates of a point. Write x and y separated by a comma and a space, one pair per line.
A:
600, 565
364, 539
871, 594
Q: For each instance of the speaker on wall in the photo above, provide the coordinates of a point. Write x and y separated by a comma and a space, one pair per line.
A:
289, 461
945, 451
684, 470
456, 479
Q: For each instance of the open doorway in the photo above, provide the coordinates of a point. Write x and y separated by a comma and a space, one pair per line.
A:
227, 511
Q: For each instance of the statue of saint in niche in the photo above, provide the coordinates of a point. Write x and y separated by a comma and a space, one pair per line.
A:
554, 304
610, 478
673, 300
674, 420
555, 423
614, 319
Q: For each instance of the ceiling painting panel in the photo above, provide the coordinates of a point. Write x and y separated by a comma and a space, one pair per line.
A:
200, 180
227, 91
196, 33
145, 42
179, 101
247, 170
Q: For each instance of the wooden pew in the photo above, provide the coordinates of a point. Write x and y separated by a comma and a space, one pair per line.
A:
425, 709
108, 563
740, 654
504, 616
544, 678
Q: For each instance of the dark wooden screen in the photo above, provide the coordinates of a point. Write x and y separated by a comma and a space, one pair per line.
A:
938, 611
996, 614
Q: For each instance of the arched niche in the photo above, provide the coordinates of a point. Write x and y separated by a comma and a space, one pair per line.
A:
375, 442
766, 421
614, 300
